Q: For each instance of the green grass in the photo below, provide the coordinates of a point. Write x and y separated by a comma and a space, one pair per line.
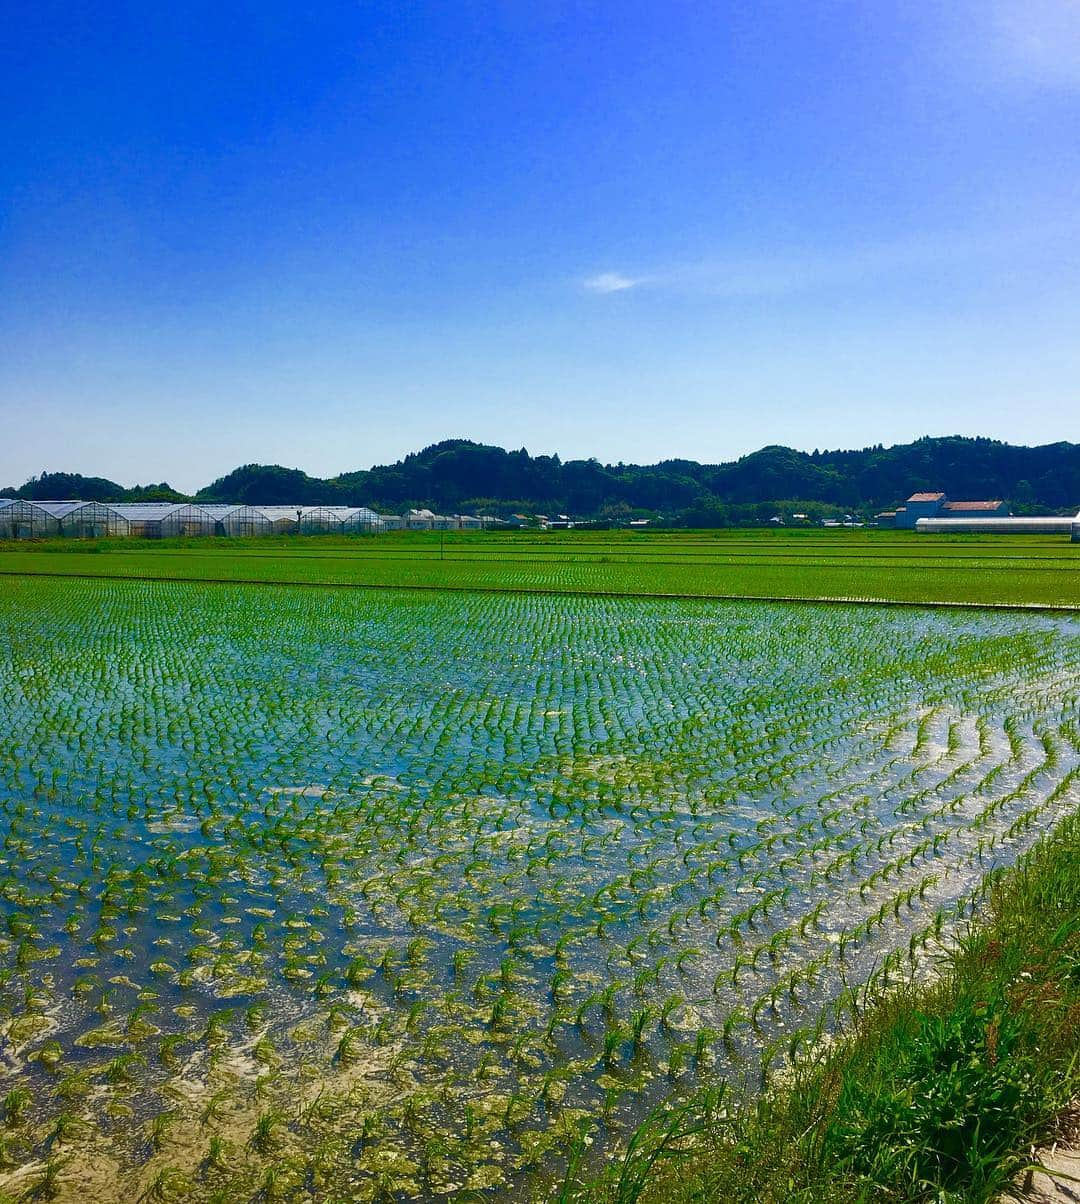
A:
939, 1091
868, 565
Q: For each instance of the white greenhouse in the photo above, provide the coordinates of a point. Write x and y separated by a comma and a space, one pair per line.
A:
88, 520
237, 520
164, 520
27, 520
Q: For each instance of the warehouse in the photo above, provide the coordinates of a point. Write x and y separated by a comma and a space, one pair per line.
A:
937, 505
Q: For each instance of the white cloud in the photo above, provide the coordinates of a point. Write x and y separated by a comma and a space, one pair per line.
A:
785, 271
611, 282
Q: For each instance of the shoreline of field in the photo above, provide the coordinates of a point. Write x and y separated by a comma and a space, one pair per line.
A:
940, 1090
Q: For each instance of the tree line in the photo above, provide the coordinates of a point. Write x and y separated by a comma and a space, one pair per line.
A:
458, 475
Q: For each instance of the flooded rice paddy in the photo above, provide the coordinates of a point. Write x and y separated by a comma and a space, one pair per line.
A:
321, 895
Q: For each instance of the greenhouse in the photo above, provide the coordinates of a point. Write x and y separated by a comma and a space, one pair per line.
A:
284, 520
238, 520
27, 520
162, 520
322, 520
361, 519
21, 519
87, 520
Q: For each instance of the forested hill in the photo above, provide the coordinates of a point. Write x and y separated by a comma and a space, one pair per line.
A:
459, 475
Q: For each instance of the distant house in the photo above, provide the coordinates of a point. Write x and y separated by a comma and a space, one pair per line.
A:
937, 505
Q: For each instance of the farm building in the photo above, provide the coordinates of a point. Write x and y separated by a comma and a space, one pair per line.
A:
88, 520
21, 519
937, 505
162, 520
284, 520
358, 520
364, 520
237, 520
1037, 525
321, 520
27, 520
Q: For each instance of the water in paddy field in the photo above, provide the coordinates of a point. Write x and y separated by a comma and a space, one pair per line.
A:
385, 892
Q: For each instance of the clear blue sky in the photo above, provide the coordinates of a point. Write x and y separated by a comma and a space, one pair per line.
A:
325, 235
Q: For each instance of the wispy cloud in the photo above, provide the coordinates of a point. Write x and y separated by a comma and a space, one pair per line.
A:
612, 282
784, 271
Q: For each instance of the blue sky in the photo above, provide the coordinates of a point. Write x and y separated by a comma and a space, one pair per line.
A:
324, 238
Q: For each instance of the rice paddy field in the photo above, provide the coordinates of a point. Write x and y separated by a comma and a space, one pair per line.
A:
358, 894
898, 566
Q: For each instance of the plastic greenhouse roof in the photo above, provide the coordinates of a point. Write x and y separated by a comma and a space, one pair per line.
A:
62, 509
152, 510
281, 511
221, 509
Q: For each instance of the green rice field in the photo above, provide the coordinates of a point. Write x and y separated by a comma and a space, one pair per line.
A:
845, 564
381, 894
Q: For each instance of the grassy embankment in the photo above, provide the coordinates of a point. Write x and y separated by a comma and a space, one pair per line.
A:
865, 565
939, 1090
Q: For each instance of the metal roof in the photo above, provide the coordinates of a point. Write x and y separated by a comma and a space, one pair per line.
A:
993, 505
926, 497
1049, 524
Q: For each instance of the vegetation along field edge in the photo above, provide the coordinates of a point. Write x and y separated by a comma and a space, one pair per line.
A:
939, 1090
